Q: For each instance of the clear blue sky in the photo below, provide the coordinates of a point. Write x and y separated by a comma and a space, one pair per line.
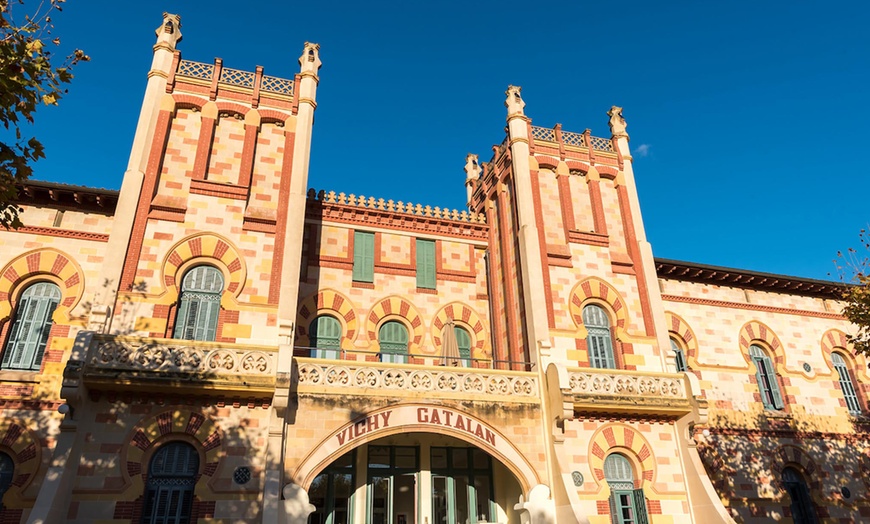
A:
749, 120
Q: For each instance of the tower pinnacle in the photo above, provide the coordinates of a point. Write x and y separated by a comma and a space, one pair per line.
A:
514, 101
169, 32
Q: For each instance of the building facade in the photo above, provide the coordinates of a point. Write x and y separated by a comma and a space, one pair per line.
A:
217, 343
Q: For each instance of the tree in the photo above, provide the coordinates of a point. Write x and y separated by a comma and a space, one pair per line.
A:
855, 269
28, 79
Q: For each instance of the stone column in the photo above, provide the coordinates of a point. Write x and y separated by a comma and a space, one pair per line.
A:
276, 510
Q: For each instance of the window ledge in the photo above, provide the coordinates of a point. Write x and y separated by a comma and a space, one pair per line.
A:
16, 375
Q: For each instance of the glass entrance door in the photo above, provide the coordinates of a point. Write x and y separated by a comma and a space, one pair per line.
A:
392, 484
461, 486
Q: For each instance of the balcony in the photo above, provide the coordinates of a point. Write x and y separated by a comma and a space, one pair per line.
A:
352, 377
629, 392
200, 367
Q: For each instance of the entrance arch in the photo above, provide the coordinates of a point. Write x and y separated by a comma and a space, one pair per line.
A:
416, 418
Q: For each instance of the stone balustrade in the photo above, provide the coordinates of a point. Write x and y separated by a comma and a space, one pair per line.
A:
546, 134
618, 390
147, 359
381, 379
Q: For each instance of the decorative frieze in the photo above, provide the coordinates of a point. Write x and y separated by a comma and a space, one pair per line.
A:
383, 379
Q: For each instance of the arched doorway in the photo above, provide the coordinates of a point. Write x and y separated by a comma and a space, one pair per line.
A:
415, 478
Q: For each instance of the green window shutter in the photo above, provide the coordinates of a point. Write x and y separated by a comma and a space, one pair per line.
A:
363, 256
640, 507
463, 340
200, 304
32, 327
426, 264
775, 393
325, 337
679, 356
393, 339
614, 511
846, 384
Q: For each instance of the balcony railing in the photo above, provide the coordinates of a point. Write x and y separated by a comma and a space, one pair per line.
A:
234, 77
630, 391
546, 134
128, 360
343, 377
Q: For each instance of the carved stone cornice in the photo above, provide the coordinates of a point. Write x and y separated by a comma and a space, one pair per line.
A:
618, 391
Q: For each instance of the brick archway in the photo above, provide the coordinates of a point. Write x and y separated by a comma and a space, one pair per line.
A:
50, 263
330, 302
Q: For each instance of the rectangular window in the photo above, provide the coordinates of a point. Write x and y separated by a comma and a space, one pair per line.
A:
426, 264
363, 256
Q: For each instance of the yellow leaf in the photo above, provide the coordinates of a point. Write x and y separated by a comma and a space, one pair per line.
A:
49, 99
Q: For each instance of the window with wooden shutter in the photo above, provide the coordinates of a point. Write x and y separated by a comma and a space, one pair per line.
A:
463, 340
393, 339
426, 264
31, 328
846, 384
171, 481
679, 356
363, 256
325, 337
627, 504
200, 304
599, 340
765, 375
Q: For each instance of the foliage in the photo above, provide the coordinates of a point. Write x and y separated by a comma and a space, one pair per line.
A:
855, 269
28, 79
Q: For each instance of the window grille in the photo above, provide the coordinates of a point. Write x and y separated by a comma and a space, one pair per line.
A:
846, 384
679, 356
765, 375
31, 327
393, 339
599, 340
171, 480
363, 256
803, 510
325, 337
200, 304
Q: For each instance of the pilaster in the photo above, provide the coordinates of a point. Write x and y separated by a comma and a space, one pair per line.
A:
168, 36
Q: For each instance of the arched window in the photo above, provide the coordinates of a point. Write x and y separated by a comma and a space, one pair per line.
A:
7, 474
766, 378
393, 338
846, 384
200, 304
325, 337
599, 341
803, 510
171, 479
679, 356
31, 327
627, 504
463, 340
